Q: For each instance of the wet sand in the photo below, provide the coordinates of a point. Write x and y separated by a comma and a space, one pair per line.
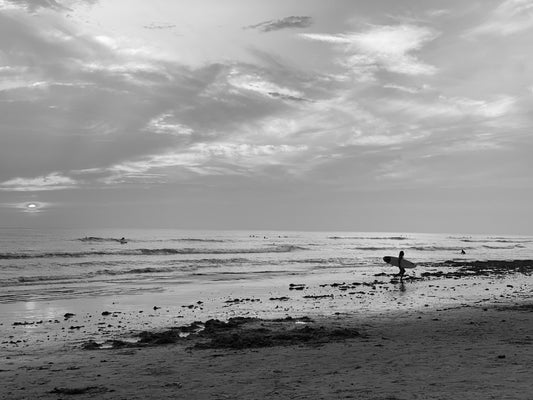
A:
477, 346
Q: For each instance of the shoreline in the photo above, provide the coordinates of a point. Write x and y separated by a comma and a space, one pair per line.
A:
416, 343
27, 326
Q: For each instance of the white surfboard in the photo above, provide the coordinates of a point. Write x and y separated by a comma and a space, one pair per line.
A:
394, 261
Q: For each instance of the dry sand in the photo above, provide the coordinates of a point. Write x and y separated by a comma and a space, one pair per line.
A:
475, 350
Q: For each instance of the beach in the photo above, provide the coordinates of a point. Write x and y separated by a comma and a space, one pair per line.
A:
461, 332
266, 200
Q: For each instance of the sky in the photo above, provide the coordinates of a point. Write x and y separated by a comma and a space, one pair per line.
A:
378, 115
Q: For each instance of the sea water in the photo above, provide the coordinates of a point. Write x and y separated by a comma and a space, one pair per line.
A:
46, 273
62, 264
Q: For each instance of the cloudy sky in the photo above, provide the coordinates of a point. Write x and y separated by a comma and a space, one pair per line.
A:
381, 115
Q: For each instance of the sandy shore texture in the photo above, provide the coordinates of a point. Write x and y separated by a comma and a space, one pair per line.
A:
476, 350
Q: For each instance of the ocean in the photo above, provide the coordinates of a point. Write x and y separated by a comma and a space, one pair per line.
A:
43, 265
188, 274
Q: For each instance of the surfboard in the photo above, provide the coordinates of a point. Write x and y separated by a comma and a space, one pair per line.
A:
394, 261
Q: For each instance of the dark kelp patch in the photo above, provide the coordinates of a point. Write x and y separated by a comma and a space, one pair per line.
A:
238, 333
269, 336
80, 390
483, 268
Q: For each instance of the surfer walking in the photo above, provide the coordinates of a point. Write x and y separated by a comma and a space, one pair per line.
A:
399, 262
402, 269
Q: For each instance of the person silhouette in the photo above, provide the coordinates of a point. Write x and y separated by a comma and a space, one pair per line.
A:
402, 269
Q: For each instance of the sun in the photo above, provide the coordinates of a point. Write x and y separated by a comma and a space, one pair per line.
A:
32, 207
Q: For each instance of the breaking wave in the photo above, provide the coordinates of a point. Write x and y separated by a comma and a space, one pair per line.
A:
97, 239
368, 238
436, 248
497, 240
150, 252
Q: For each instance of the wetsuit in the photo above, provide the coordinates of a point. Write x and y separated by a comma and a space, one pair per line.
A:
402, 269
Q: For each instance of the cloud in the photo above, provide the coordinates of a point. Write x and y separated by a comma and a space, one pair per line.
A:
89, 99
104, 112
454, 107
53, 181
284, 96
284, 23
216, 158
510, 17
359, 139
438, 13
255, 83
32, 5
107, 112
382, 48
167, 124
95, 105
483, 108
159, 26
411, 90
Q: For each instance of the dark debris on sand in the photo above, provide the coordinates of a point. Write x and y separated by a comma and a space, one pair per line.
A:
518, 307
239, 333
80, 390
265, 337
483, 268
244, 333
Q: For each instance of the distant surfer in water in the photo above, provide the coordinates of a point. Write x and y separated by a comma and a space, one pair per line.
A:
402, 269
